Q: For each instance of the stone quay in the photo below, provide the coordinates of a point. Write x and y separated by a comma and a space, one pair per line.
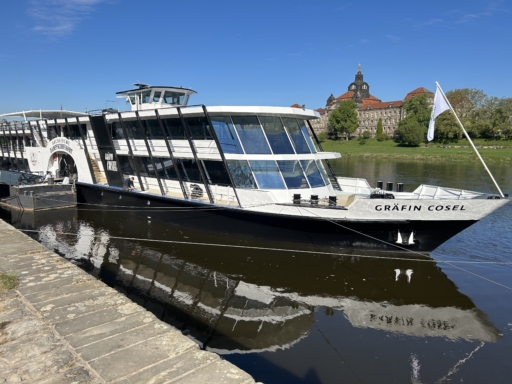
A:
61, 325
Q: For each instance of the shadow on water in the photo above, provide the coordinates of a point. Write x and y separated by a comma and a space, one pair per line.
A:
284, 317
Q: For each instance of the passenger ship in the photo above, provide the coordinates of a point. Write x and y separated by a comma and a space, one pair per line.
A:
251, 171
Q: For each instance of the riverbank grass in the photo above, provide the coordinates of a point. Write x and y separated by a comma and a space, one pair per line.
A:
492, 151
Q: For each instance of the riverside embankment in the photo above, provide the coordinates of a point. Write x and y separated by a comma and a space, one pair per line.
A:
60, 325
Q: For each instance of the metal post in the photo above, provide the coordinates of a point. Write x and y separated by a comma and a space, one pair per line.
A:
130, 152
193, 149
217, 142
150, 154
7, 145
13, 140
41, 133
89, 163
169, 149
18, 144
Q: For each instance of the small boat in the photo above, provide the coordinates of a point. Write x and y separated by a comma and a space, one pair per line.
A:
254, 171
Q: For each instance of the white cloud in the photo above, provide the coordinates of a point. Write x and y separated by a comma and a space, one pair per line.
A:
59, 17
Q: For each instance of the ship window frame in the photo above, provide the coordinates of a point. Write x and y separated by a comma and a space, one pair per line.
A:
225, 133
249, 182
297, 137
315, 180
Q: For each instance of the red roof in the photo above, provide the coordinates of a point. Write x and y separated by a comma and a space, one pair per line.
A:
296, 106
320, 111
347, 95
381, 105
418, 91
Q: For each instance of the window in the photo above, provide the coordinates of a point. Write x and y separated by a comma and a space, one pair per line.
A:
292, 174
267, 174
165, 168
323, 173
174, 128
133, 130
305, 132
312, 173
144, 97
296, 134
199, 128
241, 174
156, 96
171, 97
276, 135
191, 170
153, 129
226, 134
251, 135
217, 172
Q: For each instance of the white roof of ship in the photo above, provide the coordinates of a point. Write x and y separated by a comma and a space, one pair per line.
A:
45, 114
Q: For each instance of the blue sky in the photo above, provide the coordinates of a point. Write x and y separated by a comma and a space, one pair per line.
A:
280, 52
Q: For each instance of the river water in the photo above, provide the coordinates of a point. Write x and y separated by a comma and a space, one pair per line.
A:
316, 315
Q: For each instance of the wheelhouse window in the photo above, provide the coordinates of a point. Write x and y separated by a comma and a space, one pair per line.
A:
226, 134
267, 174
276, 135
241, 174
144, 97
251, 135
156, 96
171, 97
312, 173
295, 131
292, 174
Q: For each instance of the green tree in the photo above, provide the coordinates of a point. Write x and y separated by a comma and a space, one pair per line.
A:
447, 128
410, 131
468, 103
380, 131
413, 128
419, 107
344, 118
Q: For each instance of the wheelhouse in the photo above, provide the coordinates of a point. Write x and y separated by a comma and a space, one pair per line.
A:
147, 97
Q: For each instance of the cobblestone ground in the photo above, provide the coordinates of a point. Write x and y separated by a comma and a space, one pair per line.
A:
60, 325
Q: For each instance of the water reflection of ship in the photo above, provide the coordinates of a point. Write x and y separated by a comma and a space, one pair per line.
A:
235, 301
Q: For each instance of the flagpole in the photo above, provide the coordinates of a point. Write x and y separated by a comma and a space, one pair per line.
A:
469, 139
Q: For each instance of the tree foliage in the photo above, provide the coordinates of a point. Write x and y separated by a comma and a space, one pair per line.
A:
380, 131
410, 131
344, 119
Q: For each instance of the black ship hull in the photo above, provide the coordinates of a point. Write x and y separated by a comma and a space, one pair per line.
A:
428, 235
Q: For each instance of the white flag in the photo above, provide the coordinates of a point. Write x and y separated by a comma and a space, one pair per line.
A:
439, 107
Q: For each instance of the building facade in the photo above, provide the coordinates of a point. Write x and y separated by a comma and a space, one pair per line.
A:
370, 108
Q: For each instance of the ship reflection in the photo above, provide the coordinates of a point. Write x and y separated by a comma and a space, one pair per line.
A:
238, 300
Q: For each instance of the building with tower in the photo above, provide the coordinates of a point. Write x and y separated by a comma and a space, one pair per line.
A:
370, 108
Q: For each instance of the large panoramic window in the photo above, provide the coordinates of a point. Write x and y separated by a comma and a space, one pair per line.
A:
307, 137
165, 168
312, 173
276, 135
299, 142
249, 130
292, 174
191, 171
321, 168
153, 128
217, 172
241, 174
267, 174
174, 128
199, 128
226, 134
134, 131
125, 163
